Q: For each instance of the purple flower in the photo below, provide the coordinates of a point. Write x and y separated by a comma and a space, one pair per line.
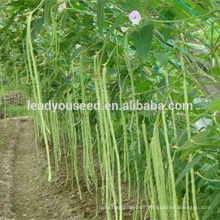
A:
135, 17
62, 7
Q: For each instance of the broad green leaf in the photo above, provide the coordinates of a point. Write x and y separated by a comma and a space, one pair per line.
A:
189, 146
97, 46
37, 25
115, 24
145, 113
100, 15
188, 167
214, 204
65, 18
166, 33
147, 2
25, 3
215, 106
11, 20
132, 5
143, 86
142, 40
201, 137
216, 136
162, 58
214, 71
87, 21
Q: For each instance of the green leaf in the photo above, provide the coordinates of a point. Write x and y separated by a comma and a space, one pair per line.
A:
162, 58
145, 113
87, 21
47, 12
143, 86
97, 46
10, 22
142, 40
132, 5
115, 24
166, 33
188, 167
215, 106
201, 137
214, 204
189, 146
25, 3
214, 71
37, 25
100, 15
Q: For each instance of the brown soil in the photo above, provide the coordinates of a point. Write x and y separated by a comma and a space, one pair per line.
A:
24, 191
14, 98
23, 194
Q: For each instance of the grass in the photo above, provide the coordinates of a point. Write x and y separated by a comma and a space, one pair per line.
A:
15, 111
11, 110
147, 151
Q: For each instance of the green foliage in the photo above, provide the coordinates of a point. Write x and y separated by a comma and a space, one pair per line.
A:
130, 5
215, 106
163, 58
100, 15
90, 51
142, 40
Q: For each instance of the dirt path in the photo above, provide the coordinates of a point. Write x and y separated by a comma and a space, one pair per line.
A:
29, 199
24, 192
23, 174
